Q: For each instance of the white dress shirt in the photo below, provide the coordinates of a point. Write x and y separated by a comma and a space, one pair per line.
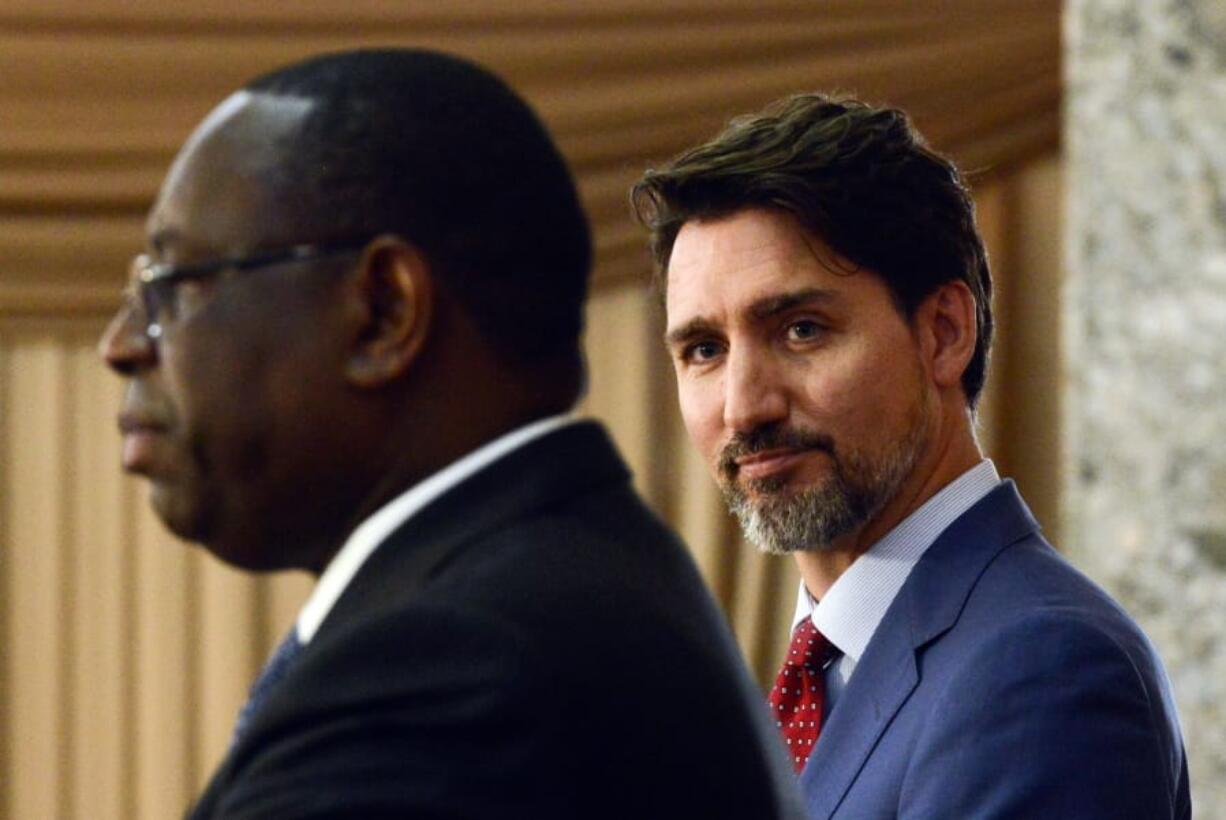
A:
363, 541
854, 605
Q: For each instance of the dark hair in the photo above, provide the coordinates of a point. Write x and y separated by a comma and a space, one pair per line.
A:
443, 153
859, 177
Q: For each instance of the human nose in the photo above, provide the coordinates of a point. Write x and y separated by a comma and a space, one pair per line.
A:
753, 393
125, 345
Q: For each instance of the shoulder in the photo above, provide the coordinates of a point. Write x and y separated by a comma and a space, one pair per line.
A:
1092, 646
601, 558
1065, 700
1034, 621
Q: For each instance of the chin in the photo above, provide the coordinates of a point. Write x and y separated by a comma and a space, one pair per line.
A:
780, 488
251, 550
189, 517
183, 515
247, 557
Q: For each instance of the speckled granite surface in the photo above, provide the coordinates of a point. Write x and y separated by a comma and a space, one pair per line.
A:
1145, 333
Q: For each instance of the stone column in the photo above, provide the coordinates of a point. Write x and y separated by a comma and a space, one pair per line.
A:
1145, 333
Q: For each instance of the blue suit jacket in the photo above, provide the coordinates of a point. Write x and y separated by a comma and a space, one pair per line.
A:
1001, 683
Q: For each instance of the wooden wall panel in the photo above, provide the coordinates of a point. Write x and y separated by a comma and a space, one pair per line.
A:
621, 364
100, 705
231, 645
37, 580
163, 672
1029, 367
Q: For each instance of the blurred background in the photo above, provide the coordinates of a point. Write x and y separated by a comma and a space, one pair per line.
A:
1093, 134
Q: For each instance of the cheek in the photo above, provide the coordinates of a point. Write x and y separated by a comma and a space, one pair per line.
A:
220, 401
204, 382
833, 389
851, 393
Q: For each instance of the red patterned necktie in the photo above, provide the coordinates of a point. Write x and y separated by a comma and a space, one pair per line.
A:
800, 690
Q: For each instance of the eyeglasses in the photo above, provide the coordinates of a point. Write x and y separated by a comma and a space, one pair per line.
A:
158, 281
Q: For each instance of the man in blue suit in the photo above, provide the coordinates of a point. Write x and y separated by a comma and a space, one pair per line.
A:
829, 319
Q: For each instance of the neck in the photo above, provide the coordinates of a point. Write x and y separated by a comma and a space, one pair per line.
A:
438, 419
950, 456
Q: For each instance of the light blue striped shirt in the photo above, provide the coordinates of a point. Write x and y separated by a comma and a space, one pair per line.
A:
856, 602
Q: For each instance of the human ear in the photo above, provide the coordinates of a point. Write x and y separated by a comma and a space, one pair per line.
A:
950, 326
395, 294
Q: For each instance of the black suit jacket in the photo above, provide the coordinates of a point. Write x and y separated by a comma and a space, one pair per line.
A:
533, 644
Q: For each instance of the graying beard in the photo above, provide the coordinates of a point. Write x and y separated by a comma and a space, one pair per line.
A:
812, 519
808, 520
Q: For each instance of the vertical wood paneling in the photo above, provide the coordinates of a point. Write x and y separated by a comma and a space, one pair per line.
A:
38, 579
165, 666
754, 595
619, 350
228, 651
766, 648
1032, 370
702, 519
7, 671
99, 707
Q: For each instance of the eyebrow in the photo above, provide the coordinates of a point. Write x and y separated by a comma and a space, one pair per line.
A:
692, 329
770, 306
762, 309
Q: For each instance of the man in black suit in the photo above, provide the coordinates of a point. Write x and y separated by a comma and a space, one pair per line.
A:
350, 349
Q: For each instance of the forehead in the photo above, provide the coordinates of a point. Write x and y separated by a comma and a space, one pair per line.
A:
725, 265
217, 191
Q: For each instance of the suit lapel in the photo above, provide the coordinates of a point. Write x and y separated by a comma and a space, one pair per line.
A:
926, 607
857, 722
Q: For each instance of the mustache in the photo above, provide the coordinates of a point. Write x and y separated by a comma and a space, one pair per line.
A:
773, 437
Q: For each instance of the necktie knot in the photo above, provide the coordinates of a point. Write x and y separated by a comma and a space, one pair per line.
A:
809, 649
800, 688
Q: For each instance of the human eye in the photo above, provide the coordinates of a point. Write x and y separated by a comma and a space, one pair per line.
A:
804, 330
700, 352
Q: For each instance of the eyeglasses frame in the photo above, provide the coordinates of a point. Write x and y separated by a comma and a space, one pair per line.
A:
150, 274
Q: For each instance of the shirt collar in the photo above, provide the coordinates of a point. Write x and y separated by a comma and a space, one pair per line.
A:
372, 532
854, 605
